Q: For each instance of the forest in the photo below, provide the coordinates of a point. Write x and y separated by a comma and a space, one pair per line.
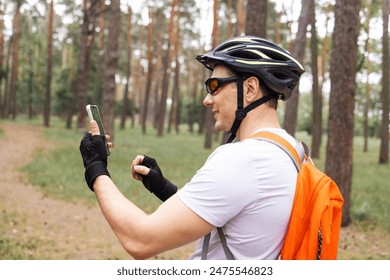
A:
135, 59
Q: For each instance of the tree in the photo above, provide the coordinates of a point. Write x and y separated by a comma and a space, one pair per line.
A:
384, 148
317, 95
165, 83
290, 116
241, 17
367, 50
46, 115
343, 68
256, 18
1, 57
208, 117
90, 9
15, 59
174, 114
110, 69
125, 105
149, 72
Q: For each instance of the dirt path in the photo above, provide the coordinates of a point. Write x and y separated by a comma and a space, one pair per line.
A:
39, 227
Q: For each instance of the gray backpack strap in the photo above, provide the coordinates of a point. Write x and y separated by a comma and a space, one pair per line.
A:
228, 253
205, 247
206, 243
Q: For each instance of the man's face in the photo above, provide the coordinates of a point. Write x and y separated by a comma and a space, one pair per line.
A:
223, 102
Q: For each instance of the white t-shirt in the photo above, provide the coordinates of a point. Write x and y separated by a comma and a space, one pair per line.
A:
247, 188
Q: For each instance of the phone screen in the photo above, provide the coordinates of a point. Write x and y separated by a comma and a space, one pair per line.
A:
93, 114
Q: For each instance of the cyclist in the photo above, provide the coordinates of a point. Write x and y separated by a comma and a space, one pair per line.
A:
246, 187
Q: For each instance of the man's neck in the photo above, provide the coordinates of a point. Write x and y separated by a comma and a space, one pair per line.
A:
261, 117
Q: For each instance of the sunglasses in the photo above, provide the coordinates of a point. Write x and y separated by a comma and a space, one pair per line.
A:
214, 84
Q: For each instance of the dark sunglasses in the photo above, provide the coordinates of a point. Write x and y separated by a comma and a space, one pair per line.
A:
214, 84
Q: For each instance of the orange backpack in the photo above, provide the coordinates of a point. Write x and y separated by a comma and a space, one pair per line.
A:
314, 227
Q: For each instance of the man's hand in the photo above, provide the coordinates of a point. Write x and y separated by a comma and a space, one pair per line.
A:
94, 154
146, 169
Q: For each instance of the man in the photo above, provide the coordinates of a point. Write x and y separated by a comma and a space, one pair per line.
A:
246, 187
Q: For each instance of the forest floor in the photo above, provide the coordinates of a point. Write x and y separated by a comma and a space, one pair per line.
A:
34, 226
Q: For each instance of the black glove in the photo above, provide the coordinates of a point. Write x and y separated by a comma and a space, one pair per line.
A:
94, 154
155, 182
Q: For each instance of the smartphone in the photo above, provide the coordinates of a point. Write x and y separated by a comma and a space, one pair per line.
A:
93, 114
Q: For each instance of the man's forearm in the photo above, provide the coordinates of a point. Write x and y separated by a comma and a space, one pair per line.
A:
126, 220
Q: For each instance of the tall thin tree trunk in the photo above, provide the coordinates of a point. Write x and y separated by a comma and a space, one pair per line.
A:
343, 68
367, 49
87, 39
98, 92
384, 147
7, 97
241, 17
46, 111
291, 114
111, 65
1, 58
317, 96
208, 121
15, 60
125, 101
229, 29
70, 109
256, 18
174, 117
165, 85
149, 73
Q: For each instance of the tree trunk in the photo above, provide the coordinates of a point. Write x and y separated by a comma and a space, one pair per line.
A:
98, 92
256, 18
367, 49
125, 100
165, 85
1, 58
343, 67
87, 39
7, 97
229, 29
111, 65
384, 148
174, 114
150, 72
317, 96
241, 16
15, 60
323, 61
70, 109
208, 121
46, 111
291, 113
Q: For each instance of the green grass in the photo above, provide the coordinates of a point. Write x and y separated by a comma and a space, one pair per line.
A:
370, 186
60, 173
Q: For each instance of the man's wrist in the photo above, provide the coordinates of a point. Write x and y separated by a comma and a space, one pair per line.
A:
93, 171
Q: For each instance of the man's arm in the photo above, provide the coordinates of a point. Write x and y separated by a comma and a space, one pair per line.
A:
172, 225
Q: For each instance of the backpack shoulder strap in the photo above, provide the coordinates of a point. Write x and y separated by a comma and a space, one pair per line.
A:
297, 154
206, 242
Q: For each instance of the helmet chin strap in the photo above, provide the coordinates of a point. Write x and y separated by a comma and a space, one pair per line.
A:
241, 111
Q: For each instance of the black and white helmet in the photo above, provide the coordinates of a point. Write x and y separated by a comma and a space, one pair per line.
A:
255, 56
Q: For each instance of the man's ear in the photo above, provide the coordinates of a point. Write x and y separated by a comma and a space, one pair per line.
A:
252, 90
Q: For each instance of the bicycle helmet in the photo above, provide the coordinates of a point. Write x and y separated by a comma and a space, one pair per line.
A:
259, 57
250, 55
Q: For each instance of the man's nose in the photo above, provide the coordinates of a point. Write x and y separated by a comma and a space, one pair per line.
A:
208, 100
